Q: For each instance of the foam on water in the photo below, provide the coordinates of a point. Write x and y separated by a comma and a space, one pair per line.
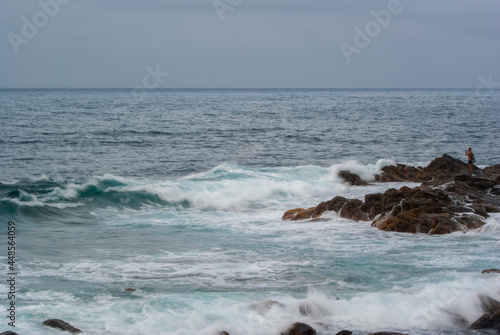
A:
227, 187
425, 309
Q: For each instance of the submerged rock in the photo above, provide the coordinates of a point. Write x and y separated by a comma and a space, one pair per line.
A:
491, 271
344, 332
57, 323
299, 328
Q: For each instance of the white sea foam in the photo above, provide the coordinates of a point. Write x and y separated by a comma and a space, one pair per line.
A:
492, 225
426, 309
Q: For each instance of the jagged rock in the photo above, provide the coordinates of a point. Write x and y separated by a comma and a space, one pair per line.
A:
424, 210
491, 319
57, 323
299, 328
444, 169
488, 320
353, 210
439, 171
476, 183
492, 172
351, 178
298, 214
491, 271
489, 304
398, 173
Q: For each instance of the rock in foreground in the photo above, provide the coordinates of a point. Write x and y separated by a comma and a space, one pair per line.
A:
491, 319
299, 328
57, 323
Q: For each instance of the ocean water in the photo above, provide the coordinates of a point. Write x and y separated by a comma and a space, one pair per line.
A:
178, 194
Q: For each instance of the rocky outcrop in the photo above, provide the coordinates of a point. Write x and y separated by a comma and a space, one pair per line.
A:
60, 324
351, 178
439, 171
491, 271
447, 200
424, 210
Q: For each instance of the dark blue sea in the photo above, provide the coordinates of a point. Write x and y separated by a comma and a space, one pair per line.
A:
178, 195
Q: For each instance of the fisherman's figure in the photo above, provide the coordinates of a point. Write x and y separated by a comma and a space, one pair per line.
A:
471, 159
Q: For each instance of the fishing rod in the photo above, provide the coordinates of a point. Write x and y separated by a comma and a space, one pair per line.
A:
457, 132
462, 141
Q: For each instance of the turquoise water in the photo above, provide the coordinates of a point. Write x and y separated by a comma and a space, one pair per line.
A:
179, 195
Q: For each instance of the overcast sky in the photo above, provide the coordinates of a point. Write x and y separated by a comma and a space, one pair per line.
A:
249, 43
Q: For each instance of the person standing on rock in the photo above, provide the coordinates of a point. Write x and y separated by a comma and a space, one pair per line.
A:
470, 158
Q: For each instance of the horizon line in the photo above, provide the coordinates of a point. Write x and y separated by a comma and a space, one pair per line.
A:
239, 88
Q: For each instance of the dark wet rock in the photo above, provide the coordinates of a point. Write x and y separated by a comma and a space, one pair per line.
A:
487, 321
444, 169
353, 210
491, 271
344, 332
489, 304
399, 173
8, 332
57, 323
299, 328
475, 182
490, 319
129, 289
351, 178
491, 172
223, 333
387, 333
